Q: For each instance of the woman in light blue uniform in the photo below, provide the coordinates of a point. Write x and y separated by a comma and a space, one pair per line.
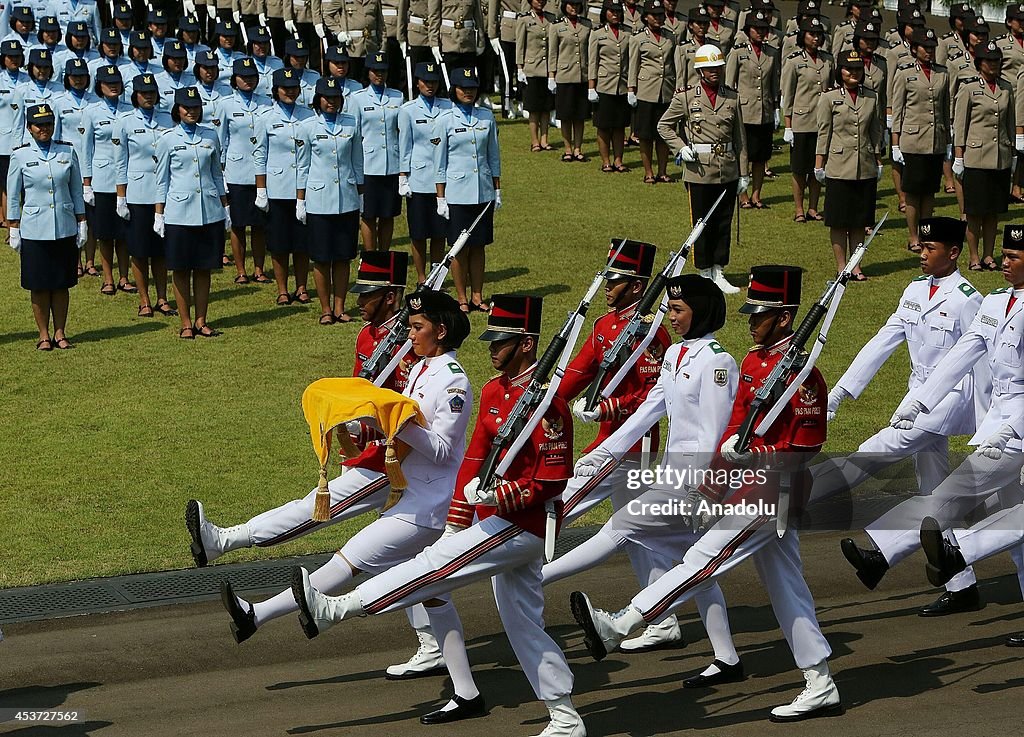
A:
111, 52
174, 75
23, 26
191, 212
418, 129
12, 57
207, 73
46, 215
238, 113
338, 66
71, 12
39, 88
77, 45
124, 19
140, 53
376, 108
330, 184
137, 133
48, 36
224, 41
277, 167
468, 179
100, 178
266, 65
188, 34
70, 108
296, 56
156, 24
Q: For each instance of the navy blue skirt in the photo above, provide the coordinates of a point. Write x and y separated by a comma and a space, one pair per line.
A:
242, 204
333, 237
104, 222
142, 241
424, 222
48, 266
460, 217
380, 196
285, 234
194, 247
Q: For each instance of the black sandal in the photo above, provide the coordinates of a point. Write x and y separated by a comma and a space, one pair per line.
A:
975, 267
989, 264
108, 290
92, 271
44, 345
262, 279
63, 344
143, 312
567, 158
328, 318
303, 297
242, 279
191, 334
206, 331
165, 309
127, 287
343, 318
284, 299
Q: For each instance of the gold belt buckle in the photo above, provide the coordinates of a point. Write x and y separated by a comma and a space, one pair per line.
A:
718, 149
459, 24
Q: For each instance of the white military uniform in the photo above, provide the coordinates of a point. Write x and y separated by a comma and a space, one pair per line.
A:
930, 324
996, 333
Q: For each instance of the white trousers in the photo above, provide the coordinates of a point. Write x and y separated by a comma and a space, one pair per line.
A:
491, 548
726, 545
884, 448
999, 532
353, 493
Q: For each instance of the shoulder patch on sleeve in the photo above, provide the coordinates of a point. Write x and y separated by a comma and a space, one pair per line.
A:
455, 368
716, 347
923, 277
456, 404
721, 376
967, 289
1001, 290
908, 65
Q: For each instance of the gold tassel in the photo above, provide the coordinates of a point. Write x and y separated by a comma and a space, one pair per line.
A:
393, 468
348, 448
322, 508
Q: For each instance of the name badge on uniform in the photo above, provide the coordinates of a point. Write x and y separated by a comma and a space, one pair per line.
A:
977, 92
5, 92
279, 125
985, 320
319, 138
420, 122
237, 115
181, 148
911, 79
911, 305
368, 109
104, 122
460, 130
31, 163
142, 130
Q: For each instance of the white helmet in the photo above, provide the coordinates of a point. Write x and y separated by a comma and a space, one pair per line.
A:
708, 55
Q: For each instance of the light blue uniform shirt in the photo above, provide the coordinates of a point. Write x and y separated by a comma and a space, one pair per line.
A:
70, 110
28, 41
277, 148
349, 87
377, 112
102, 61
44, 191
226, 60
30, 93
188, 176
11, 114
467, 157
82, 11
192, 51
419, 135
211, 97
131, 70
330, 164
238, 138
308, 85
98, 145
167, 83
60, 60
266, 67
136, 156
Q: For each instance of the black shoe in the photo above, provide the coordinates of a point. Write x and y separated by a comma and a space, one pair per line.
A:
1015, 640
954, 602
944, 560
466, 709
243, 623
306, 620
870, 564
192, 523
726, 674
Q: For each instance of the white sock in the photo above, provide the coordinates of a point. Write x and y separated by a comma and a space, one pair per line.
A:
711, 605
583, 557
327, 579
447, 628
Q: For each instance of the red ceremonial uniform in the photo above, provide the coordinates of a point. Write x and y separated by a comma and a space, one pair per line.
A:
633, 389
367, 340
538, 473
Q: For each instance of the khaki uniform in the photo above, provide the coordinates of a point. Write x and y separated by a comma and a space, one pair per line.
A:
532, 44
984, 124
459, 24
652, 66
850, 133
676, 23
757, 81
803, 81
501, 18
961, 69
842, 35
608, 60
363, 20
920, 109
716, 132
686, 75
789, 35
894, 58
389, 11
412, 24
892, 37
772, 38
723, 35
632, 18
568, 51
1013, 57
949, 43
878, 80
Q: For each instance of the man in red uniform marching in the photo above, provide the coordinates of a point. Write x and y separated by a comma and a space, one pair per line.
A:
507, 540
744, 526
379, 285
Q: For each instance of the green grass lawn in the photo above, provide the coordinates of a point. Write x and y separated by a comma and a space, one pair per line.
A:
102, 446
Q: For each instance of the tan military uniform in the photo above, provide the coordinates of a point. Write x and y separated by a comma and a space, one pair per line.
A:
458, 23
652, 66
895, 57
757, 80
362, 20
501, 18
1013, 57
789, 35
772, 38
920, 109
686, 75
892, 37
632, 18
722, 35
984, 124
850, 133
412, 23
532, 44
803, 81
608, 60
389, 11
961, 69
949, 43
878, 80
676, 24
842, 35
730, 13
299, 11
716, 132
224, 7
250, 7
595, 13
568, 51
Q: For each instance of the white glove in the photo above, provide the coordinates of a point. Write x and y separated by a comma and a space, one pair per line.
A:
888, 121
497, 200
787, 136
158, 224
496, 45
880, 170
403, 46
122, 208
442, 207
579, 410
995, 444
778, 119
732, 455
475, 495
211, 10
14, 239
592, 462
300, 211
592, 95
835, 397
521, 76
552, 84
289, 25
631, 99
321, 32
263, 20
436, 51
237, 15
903, 418
819, 174
449, 530
227, 220
897, 155
404, 190
958, 167
262, 200
686, 154
189, 7
744, 184
89, 195
83, 234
